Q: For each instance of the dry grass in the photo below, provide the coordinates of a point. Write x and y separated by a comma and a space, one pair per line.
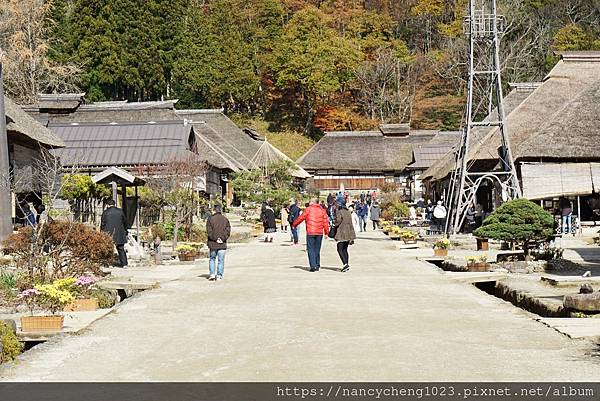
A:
294, 144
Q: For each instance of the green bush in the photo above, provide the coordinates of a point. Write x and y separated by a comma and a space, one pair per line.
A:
520, 221
11, 347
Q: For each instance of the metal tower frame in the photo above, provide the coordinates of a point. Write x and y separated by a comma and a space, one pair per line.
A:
483, 26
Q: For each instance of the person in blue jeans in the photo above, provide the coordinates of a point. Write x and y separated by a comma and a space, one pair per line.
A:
317, 223
363, 212
293, 214
218, 230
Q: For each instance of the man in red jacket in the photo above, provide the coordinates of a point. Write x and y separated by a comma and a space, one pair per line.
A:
317, 223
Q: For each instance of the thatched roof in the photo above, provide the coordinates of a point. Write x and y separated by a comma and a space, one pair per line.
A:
557, 119
444, 166
21, 123
61, 101
365, 151
268, 154
234, 146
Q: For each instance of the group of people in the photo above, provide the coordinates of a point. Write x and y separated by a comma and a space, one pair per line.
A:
318, 223
334, 219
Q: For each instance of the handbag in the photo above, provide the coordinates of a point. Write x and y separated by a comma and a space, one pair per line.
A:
332, 231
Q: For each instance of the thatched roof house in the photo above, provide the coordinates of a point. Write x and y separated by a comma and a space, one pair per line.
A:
550, 124
363, 159
110, 129
23, 128
26, 139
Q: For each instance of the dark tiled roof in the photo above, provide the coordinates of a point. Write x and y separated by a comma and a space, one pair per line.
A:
123, 144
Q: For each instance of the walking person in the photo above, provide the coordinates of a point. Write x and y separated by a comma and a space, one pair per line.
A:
218, 230
439, 216
284, 218
114, 223
478, 215
294, 212
362, 210
345, 234
566, 212
268, 219
355, 219
375, 215
317, 223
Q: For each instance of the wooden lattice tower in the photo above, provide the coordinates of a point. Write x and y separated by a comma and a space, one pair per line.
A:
483, 26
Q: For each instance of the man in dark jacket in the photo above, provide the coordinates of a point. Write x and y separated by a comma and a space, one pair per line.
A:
294, 212
218, 230
114, 223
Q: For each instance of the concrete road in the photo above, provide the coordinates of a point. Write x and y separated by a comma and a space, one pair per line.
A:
390, 318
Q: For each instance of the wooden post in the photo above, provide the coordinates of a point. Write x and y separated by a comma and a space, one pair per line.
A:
579, 214
137, 214
124, 200
5, 193
115, 193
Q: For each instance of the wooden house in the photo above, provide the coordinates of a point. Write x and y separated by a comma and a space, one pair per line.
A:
27, 139
554, 130
370, 160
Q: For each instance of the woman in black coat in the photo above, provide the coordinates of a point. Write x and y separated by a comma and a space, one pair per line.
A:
268, 219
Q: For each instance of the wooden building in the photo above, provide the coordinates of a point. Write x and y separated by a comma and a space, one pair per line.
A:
554, 131
140, 135
370, 160
27, 139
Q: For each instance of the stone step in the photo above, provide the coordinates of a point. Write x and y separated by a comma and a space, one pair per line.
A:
569, 281
588, 328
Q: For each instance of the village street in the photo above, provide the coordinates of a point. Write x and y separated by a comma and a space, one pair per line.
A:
391, 318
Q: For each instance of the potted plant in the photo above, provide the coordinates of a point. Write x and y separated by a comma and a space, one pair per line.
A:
477, 263
518, 221
482, 264
471, 261
186, 252
395, 232
51, 297
482, 244
409, 237
441, 246
84, 301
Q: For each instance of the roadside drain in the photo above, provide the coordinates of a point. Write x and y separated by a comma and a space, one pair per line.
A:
542, 307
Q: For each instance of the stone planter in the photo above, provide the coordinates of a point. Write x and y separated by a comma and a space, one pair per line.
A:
482, 244
42, 323
440, 252
82, 305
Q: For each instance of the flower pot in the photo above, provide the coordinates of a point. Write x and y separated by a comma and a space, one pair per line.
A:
482, 244
187, 257
478, 267
42, 323
82, 305
409, 241
440, 252
395, 236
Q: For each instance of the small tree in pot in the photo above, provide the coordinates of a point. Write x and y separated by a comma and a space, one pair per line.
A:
520, 221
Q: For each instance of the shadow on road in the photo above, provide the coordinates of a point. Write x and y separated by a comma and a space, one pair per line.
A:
305, 268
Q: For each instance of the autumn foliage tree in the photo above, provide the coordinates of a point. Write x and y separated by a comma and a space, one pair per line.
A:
25, 29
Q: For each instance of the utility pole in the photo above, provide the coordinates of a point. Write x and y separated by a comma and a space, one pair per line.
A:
5, 193
484, 27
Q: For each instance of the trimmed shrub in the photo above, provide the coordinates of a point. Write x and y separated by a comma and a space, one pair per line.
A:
11, 347
520, 221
